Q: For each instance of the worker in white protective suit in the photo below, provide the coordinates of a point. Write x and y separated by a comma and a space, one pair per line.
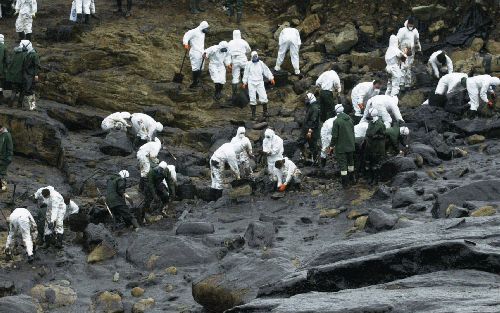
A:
147, 156
243, 149
393, 58
272, 147
448, 84
145, 126
478, 88
222, 156
328, 81
439, 63
116, 121
21, 226
219, 60
289, 40
26, 10
71, 207
194, 41
83, 10
287, 174
385, 105
238, 50
54, 217
360, 95
409, 42
360, 129
253, 77
326, 138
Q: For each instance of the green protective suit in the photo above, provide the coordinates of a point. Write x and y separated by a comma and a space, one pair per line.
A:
327, 105
344, 142
231, 4
14, 72
31, 66
115, 191
6, 152
155, 186
393, 139
3, 62
375, 143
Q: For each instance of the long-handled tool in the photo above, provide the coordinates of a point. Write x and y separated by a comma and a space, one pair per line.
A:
107, 208
179, 77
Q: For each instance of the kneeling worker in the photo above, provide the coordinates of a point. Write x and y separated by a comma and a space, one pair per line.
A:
287, 174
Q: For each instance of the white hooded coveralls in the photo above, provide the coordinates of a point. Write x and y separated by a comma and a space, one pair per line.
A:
289, 40
195, 38
254, 78
26, 9
437, 67
225, 154
71, 208
392, 56
145, 126
148, 153
384, 104
116, 119
56, 209
326, 135
361, 93
273, 146
329, 80
218, 62
242, 148
238, 50
409, 39
449, 83
83, 6
22, 226
287, 172
478, 87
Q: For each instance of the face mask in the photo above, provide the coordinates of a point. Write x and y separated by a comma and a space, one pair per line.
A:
369, 118
255, 59
376, 90
223, 50
242, 135
410, 28
268, 137
205, 31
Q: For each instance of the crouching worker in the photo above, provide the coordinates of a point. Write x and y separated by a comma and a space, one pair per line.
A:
396, 136
287, 174
156, 189
54, 216
115, 199
22, 226
225, 154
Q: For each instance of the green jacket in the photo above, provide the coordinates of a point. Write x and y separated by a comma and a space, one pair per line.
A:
3, 60
312, 117
31, 64
375, 138
343, 134
6, 147
14, 72
115, 191
155, 178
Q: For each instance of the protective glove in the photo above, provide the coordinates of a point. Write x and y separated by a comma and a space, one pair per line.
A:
490, 104
244, 86
309, 134
7, 251
230, 66
273, 82
17, 12
33, 15
361, 106
36, 78
282, 188
186, 47
331, 150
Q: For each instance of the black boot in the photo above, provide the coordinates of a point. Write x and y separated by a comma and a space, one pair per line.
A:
192, 7
59, 241
1, 97
323, 162
472, 114
79, 18
30, 259
254, 108
264, 110
344, 180
198, 6
28, 36
195, 82
135, 224
238, 18
352, 178
47, 241
87, 18
234, 89
21, 36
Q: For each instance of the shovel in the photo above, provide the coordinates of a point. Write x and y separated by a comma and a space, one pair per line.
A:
179, 77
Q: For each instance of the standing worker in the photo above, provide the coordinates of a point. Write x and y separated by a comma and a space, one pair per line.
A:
393, 58
238, 50
328, 81
128, 9
24, 23
326, 138
3, 66
360, 95
6, 153
439, 64
343, 145
115, 199
194, 6
253, 77
272, 147
310, 129
243, 149
83, 11
54, 216
14, 75
31, 66
409, 42
219, 60
230, 5
194, 41
21, 225
375, 145
289, 40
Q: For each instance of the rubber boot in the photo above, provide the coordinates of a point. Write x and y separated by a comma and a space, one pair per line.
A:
1, 97
254, 108
323, 162
28, 36
30, 259
46, 241
234, 89
238, 18
87, 19
135, 224
344, 180
198, 6
192, 7
79, 18
194, 84
59, 241
472, 114
21, 36
264, 110
352, 178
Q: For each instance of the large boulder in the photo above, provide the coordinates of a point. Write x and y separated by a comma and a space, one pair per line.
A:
403, 198
260, 234
54, 295
485, 190
107, 302
395, 165
487, 127
195, 228
309, 25
75, 118
175, 251
427, 153
373, 60
95, 235
341, 42
236, 281
19, 304
430, 118
116, 143
378, 220
429, 12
